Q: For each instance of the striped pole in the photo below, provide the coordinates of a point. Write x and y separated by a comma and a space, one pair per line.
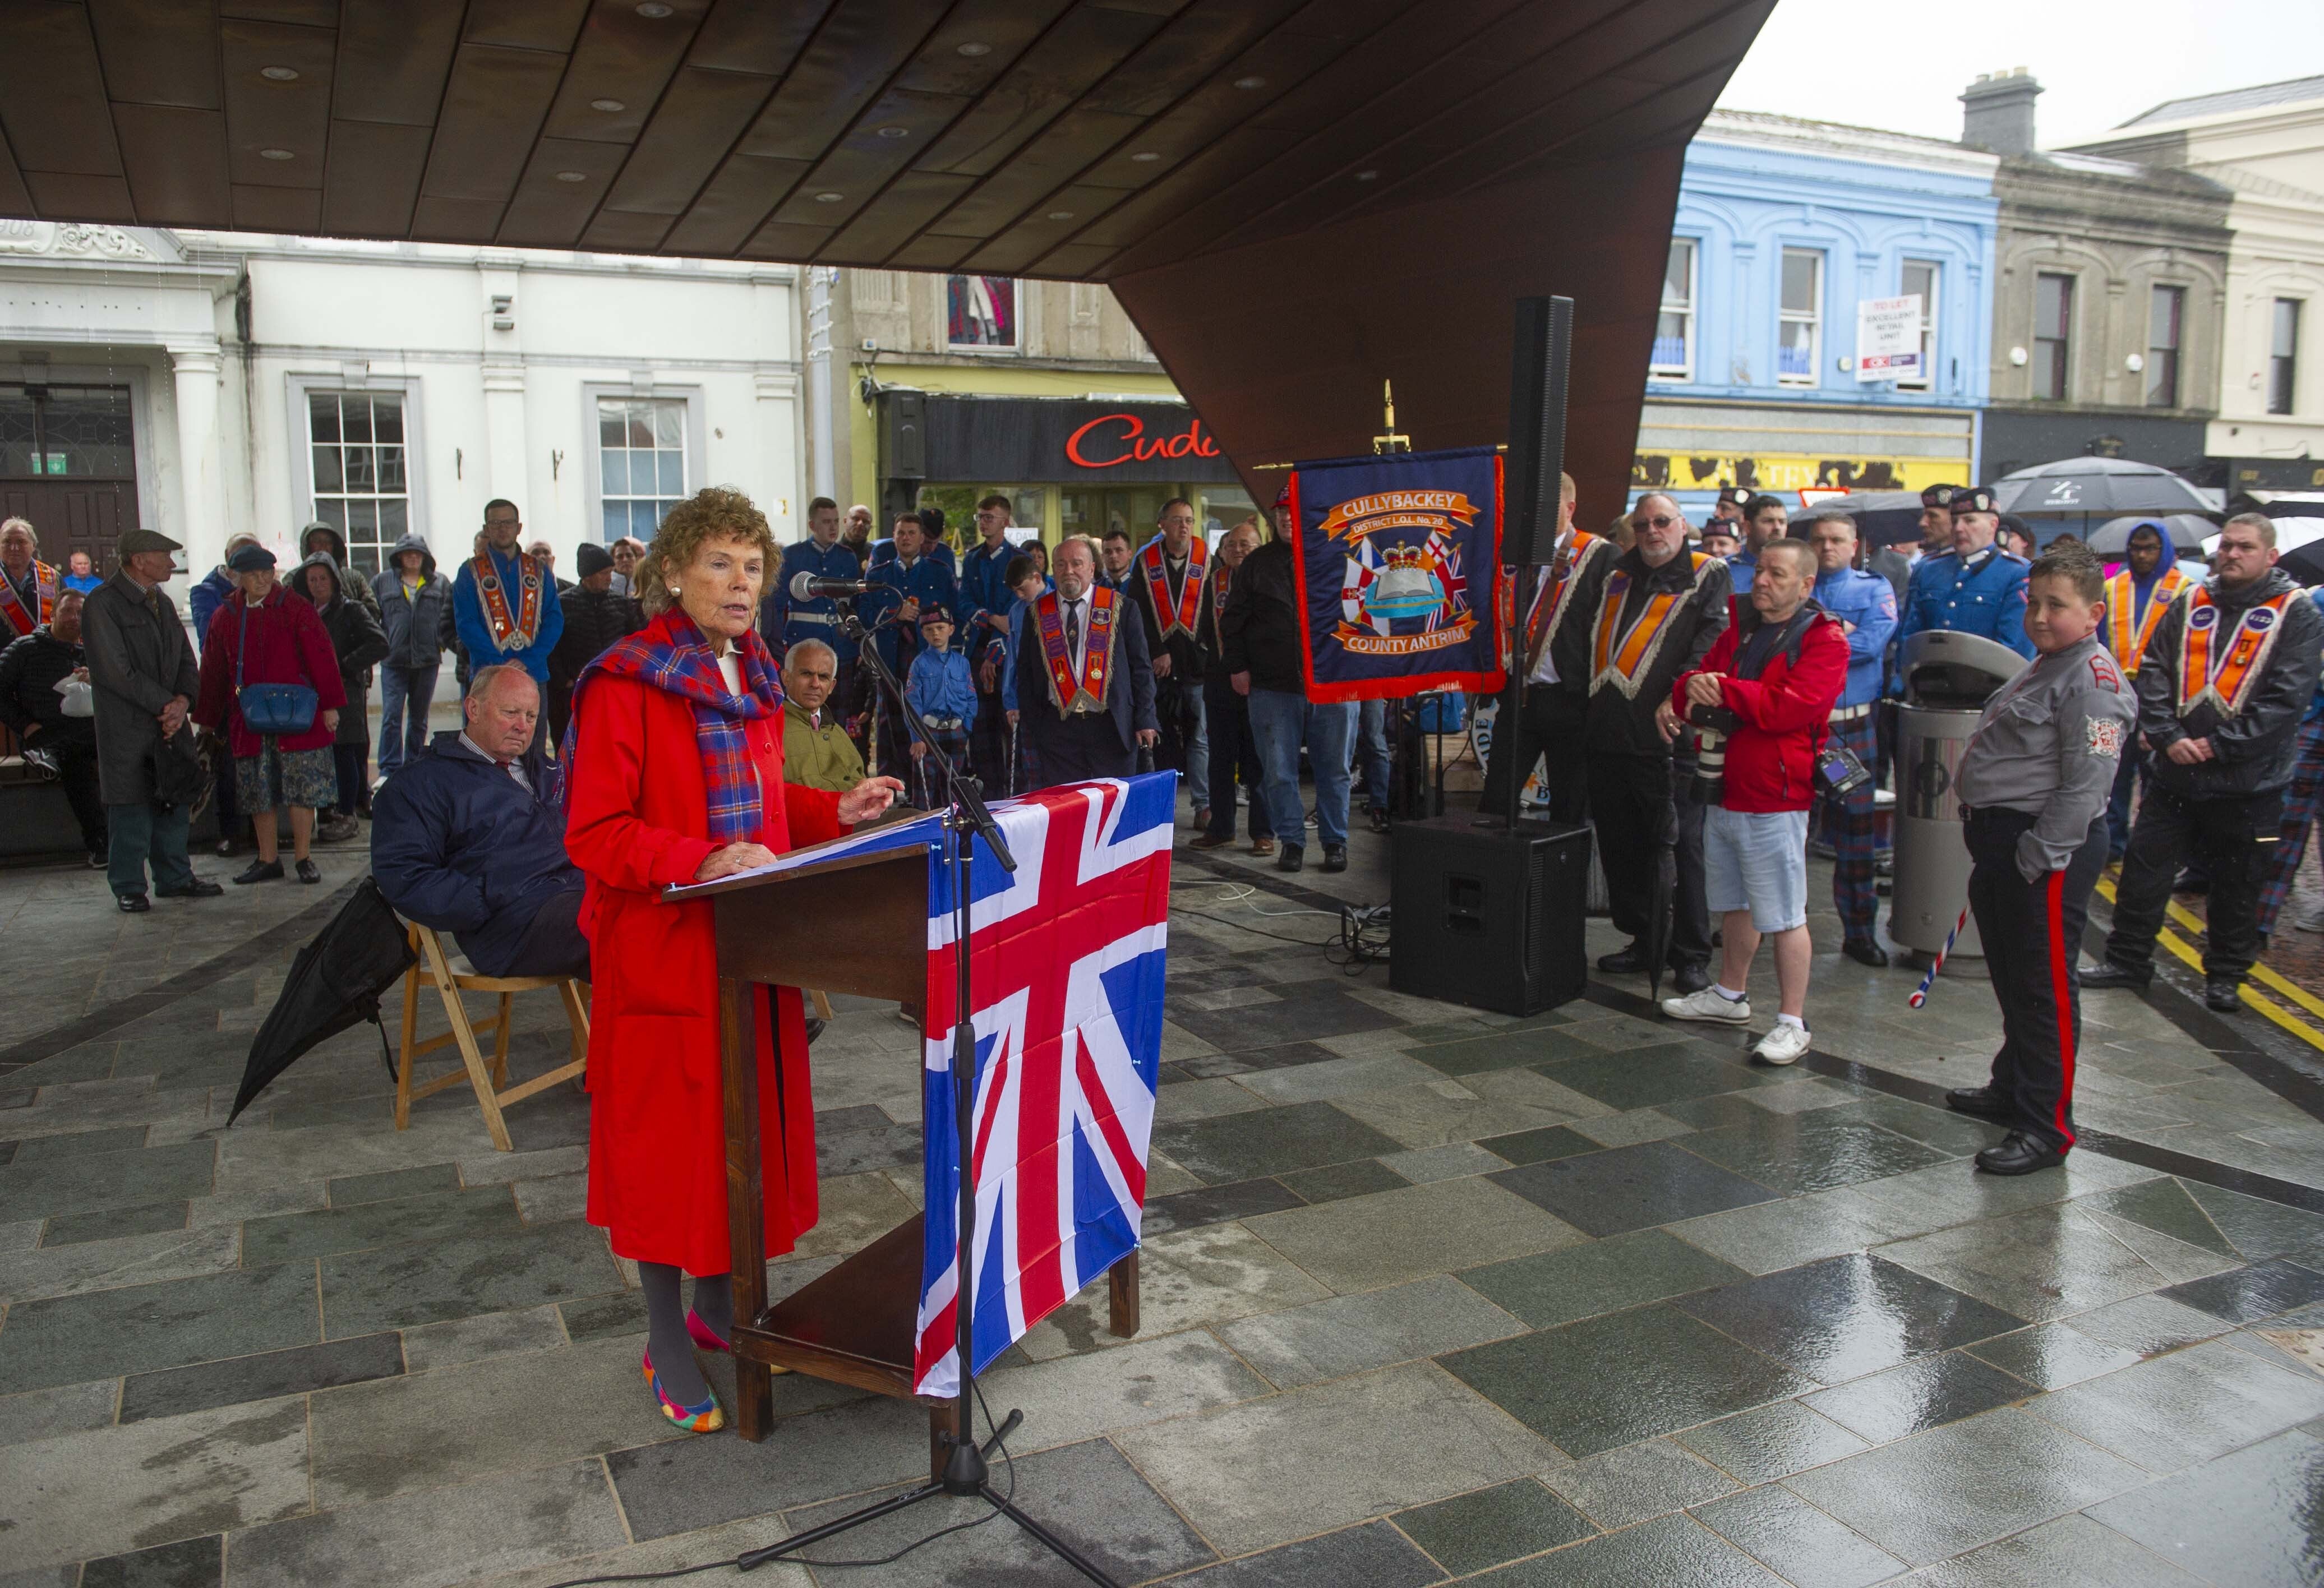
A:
1921, 992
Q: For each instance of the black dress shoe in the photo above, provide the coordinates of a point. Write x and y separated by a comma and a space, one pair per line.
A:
2222, 995
1864, 951
199, 888
2019, 1154
1291, 858
1690, 978
133, 903
1979, 1103
1624, 962
307, 871
2111, 974
259, 870
1335, 857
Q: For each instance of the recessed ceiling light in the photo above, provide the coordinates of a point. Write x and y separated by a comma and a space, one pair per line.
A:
1250, 82
972, 50
279, 74
572, 176
1061, 215
1146, 157
831, 197
276, 154
654, 9
1366, 176
607, 105
895, 132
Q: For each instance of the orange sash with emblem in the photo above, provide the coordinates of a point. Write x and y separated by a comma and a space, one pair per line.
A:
1175, 614
1086, 693
2221, 662
16, 620
1556, 594
1623, 655
513, 628
2127, 640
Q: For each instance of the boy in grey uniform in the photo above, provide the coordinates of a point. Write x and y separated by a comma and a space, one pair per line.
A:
2034, 779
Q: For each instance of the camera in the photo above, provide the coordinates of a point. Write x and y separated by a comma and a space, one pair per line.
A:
1713, 723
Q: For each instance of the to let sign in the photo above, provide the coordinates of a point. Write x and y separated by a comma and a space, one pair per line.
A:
1888, 338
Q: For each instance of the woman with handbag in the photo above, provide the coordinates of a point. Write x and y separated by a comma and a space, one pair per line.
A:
270, 683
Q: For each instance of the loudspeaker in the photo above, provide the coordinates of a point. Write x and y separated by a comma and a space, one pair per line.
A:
1489, 917
903, 436
1544, 337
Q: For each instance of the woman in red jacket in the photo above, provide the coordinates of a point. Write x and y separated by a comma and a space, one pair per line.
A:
675, 766
276, 640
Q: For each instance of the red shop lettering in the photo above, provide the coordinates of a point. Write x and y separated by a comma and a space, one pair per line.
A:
1189, 442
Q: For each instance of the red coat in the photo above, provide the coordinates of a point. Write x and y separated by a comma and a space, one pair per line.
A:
288, 645
637, 821
1784, 711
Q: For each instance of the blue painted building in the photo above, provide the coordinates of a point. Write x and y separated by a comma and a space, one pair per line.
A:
1786, 230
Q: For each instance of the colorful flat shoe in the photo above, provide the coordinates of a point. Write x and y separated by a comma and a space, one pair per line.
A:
704, 1419
705, 1336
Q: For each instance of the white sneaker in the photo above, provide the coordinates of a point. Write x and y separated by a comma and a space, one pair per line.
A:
2311, 920
1784, 1045
1708, 1005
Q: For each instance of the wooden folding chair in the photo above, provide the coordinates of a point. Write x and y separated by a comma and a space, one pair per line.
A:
452, 974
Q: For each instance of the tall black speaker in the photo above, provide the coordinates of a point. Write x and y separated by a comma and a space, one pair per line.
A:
1537, 370
1488, 916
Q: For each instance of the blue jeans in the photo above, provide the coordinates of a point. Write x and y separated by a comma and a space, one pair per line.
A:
403, 692
1371, 741
145, 831
1279, 721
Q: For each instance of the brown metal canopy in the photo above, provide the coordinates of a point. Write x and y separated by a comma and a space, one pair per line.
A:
1294, 198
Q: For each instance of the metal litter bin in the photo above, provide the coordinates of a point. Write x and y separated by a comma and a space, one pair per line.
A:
1948, 678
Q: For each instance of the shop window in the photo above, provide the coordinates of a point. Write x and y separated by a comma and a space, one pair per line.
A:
2283, 356
361, 487
980, 311
1674, 354
2054, 330
640, 463
2166, 316
1800, 320
1922, 278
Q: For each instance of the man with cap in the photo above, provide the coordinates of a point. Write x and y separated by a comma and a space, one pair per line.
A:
2136, 598
1727, 513
504, 608
145, 680
1936, 524
595, 617
1720, 540
2222, 686
1975, 589
28, 586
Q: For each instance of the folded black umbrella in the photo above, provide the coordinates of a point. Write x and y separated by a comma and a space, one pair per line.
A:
335, 983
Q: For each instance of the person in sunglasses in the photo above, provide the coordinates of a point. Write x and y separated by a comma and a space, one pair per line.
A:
1660, 610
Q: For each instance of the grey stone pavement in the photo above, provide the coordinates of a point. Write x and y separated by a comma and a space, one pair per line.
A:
1582, 1298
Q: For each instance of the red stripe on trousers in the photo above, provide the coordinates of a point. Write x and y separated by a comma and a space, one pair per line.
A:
2064, 996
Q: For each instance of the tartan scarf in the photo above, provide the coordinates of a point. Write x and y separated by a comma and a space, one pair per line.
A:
671, 654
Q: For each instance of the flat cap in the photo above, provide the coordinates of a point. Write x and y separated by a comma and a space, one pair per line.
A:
133, 541
249, 559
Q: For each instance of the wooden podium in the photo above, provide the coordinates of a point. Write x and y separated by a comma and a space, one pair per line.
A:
857, 1323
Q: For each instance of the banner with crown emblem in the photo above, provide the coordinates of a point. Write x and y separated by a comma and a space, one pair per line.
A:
1397, 563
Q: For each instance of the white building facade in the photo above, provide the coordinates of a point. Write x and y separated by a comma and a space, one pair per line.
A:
204, 383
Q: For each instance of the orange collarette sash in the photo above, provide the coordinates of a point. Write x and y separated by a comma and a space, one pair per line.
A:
17, 621
2127, 642
1175, 614
1087, 693
1556, 594
1623, 657
511, 630
2223, 668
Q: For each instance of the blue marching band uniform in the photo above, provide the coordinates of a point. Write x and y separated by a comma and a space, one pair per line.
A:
1868, 602
784, 622
929, 581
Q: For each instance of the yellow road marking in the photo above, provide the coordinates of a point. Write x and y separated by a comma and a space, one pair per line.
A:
2258, 1000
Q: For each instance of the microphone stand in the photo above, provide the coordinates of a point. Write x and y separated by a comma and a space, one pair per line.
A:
966, 1472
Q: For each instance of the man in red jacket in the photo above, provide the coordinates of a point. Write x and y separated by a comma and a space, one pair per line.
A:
1768, 686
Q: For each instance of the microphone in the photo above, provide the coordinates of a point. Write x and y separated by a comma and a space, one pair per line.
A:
808, 587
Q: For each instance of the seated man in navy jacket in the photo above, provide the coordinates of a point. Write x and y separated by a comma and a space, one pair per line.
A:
461, 842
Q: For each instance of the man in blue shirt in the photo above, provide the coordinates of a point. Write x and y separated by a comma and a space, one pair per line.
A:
985, 602
784, 622
1764, 520
1976, 589
505, 609
1865, 604
910, 583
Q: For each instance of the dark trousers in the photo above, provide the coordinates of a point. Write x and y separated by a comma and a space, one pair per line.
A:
347, 760
552, 945
2032, 935
1553, 728
2235, 837
143, 832
2131, 776
1235, 758
1849, 825
1178, 712
73, 743
928, 782
1640, 806
988, 742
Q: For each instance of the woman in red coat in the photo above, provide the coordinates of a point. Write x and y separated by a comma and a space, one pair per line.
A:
273, 640
676, 767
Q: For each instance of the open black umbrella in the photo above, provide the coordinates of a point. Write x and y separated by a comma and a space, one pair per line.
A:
1883, 518
2095, 488
2304, 563
2185, 531
335, 983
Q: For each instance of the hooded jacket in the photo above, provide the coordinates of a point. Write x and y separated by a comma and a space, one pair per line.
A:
356, 639
2252, 751
209, 592
1781, 710
415, 624
355, 589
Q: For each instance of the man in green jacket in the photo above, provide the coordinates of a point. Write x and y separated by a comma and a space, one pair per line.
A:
818, 754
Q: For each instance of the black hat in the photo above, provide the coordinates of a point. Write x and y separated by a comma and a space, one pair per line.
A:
592, 558
1970, 499
1732, 495
249, 559
936, 614
1937, 496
